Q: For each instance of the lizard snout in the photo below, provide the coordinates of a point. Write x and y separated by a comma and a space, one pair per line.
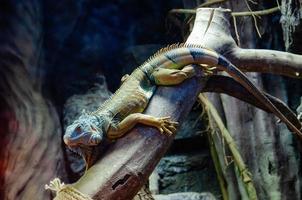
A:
78, 137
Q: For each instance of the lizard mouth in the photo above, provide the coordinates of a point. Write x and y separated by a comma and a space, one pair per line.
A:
87, 138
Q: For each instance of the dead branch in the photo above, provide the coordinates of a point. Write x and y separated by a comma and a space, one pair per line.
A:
226, 85
267, 61
235, 14
211, 3
257, 13
249, 60
245, 175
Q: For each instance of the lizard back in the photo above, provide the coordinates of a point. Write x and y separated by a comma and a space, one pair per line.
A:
132, 97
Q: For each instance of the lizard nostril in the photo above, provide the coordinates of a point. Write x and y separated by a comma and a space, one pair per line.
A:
93, 128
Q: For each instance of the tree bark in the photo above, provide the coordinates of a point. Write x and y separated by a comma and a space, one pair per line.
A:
226, 85
126, 166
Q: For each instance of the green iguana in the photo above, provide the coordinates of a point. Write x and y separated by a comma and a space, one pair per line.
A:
119, 114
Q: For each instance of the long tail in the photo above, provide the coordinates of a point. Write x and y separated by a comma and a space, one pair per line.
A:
178, 56
227, 66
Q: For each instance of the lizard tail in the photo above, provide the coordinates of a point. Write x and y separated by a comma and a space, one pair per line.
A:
179, 55
227, 66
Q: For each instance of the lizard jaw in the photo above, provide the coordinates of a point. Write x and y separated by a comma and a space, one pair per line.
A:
86, 153
85, 139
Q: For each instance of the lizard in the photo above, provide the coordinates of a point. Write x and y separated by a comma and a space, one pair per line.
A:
120, 113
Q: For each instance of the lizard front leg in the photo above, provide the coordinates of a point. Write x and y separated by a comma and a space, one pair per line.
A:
163, 124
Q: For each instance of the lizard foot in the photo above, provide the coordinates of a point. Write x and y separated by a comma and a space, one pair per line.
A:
166, 126
208, 70
124, 78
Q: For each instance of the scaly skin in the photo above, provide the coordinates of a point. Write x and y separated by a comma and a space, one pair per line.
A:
124, 110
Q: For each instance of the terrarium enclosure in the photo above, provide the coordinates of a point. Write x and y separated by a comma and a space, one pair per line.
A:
62, 59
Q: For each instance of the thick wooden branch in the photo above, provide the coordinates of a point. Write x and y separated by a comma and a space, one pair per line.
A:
218, 37
128, 163
267, 61
226, 85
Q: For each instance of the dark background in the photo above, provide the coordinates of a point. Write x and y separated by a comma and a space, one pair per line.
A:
57, 58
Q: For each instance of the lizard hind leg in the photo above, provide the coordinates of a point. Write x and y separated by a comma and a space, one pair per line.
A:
208, 70
164, 76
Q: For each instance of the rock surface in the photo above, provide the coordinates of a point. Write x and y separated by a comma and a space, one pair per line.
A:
186, 196
191, 172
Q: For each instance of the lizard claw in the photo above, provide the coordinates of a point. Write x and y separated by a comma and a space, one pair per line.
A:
208, 70
124, 78
166, 126
300, 116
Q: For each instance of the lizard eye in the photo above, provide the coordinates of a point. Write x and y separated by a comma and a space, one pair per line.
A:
78, 129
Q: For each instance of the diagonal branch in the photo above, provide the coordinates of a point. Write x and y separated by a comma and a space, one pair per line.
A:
215, 120
226, 85
127, 164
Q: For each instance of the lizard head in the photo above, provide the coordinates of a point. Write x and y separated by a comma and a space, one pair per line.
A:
87, 130
85, 134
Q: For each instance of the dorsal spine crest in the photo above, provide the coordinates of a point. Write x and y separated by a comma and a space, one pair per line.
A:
160, 52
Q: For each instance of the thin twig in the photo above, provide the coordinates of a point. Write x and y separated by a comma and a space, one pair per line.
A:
258, 13
219, 170
250, 9
210, 3
236, 31
219, 167
236, 14
183, 11
278, 4
253, 2
245, 175
254, 17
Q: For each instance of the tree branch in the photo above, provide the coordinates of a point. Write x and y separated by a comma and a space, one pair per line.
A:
211, 2
127, 164
226, 85
267, 61
251, 60
215, 119
259, 12
235, 14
